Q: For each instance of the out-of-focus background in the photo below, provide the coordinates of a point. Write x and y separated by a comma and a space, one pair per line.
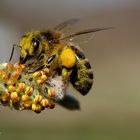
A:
111, 111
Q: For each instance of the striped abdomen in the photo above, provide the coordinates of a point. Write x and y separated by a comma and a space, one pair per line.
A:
82, 75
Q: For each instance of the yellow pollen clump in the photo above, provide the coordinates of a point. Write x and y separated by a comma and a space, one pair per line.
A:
24, 98
45, 103
10, 82
36, 108
67, 57
51, 93
21, 86
5, 97
27, 104
14, 97
29, 90
37, 74
15, 74
11, 88
46, 70
38, 98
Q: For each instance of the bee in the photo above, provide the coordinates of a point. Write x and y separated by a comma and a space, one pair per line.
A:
54, 49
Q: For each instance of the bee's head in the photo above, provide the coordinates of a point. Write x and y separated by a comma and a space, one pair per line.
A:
30, 45
33, 43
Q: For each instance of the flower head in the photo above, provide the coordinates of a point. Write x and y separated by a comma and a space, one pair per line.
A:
22, 90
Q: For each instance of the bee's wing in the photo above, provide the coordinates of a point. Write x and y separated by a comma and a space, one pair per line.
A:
83, 36
69, 102
67, 28
65, 25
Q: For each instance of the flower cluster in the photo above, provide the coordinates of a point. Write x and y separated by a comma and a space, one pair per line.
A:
22, 90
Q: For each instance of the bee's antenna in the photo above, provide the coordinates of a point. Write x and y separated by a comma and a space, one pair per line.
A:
12, 52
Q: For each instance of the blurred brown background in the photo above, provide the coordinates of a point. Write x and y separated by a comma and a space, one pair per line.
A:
111, 111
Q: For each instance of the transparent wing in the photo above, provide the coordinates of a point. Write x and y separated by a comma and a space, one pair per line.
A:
66, 24
78, 40
83, 36
68, 28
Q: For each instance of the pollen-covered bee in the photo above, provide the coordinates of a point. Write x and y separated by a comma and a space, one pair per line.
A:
52, 48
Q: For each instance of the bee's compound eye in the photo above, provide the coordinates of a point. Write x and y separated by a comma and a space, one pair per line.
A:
35, 44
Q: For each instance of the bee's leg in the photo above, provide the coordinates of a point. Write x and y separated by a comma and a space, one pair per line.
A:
66, 74
12, 52
69, 102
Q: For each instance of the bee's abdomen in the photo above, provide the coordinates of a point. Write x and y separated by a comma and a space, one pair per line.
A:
82, 75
